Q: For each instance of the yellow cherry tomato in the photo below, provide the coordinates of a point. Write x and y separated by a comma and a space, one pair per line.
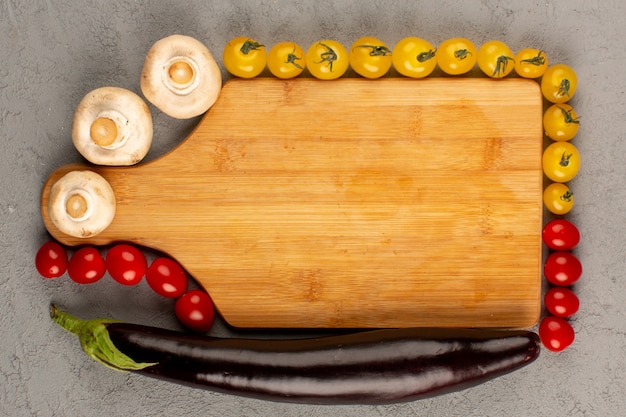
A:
327, 59
456, 56
244, 57
560, 122
558, 198
495, 59
559, 83
561, 161
370, 57
414, 57
531, 63
286, 60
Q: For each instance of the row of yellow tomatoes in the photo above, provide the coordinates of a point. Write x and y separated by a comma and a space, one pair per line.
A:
412, 57
561, 159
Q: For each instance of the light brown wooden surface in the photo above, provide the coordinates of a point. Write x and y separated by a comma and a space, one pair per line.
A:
350, 203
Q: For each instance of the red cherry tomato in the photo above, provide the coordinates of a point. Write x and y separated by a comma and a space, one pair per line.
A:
51, 260
195, 310
86, 265
559, 234
167, 278
562, 268
561, 302
126, 264
556, 333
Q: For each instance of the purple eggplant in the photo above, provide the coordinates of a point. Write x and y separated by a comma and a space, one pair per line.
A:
365, 367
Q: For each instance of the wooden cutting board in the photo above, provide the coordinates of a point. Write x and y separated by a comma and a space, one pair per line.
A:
349, 203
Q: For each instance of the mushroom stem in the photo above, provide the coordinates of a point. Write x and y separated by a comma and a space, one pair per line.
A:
77, 205
179, 75
181, 72
103, 131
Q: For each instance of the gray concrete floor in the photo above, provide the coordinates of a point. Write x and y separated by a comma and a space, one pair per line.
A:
54, 52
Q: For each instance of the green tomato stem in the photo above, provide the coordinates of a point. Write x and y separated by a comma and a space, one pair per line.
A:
329, 56
567, 116
377, 50
250, 45
567, 196
565, 159
291, 59
536, 60
425, 56
461, 54
95, 340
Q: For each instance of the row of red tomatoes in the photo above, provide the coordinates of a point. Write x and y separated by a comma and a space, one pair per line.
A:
562, 269
128, 265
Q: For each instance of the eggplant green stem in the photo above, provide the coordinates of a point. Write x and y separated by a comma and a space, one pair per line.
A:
95, 340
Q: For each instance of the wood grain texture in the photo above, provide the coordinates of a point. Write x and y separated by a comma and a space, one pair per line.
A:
350, 203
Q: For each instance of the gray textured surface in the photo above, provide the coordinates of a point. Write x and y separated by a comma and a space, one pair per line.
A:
53, 52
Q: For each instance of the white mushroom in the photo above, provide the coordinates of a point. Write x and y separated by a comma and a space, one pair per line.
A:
112, 126
180, 77
81, 204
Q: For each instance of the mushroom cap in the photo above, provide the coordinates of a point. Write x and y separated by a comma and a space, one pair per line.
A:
81, 204
133, 123
181, 100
